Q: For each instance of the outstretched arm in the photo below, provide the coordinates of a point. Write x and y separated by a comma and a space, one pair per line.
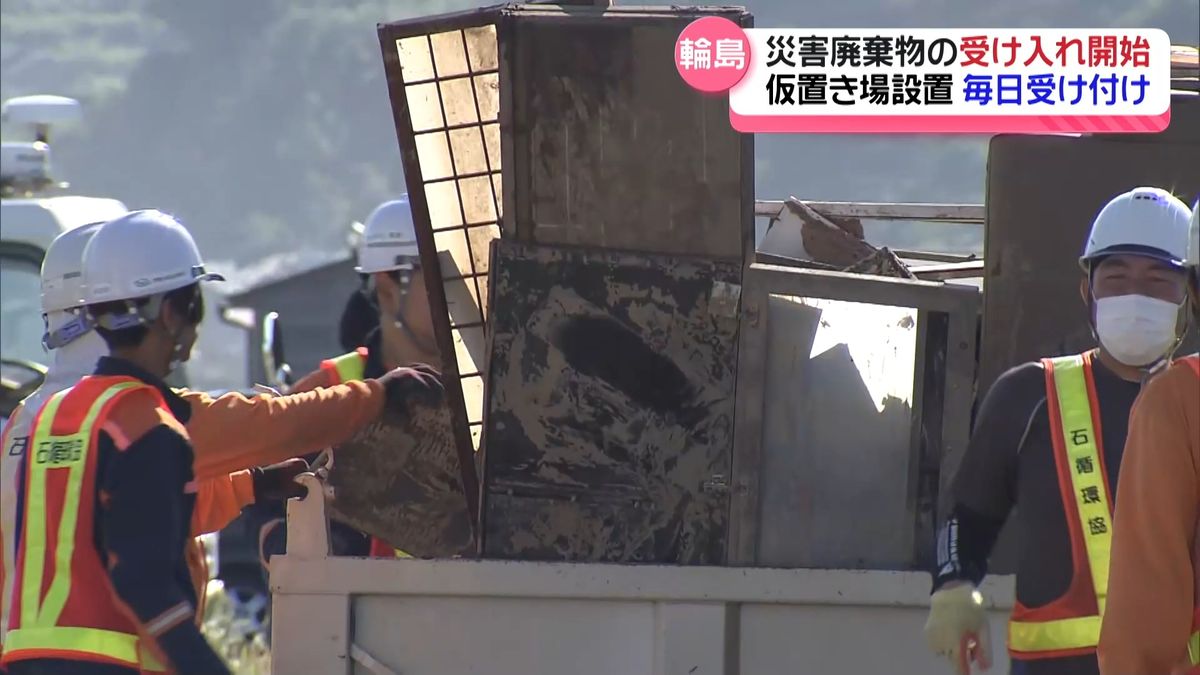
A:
236, 432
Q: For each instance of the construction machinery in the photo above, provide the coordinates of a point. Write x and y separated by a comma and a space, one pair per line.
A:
703, 444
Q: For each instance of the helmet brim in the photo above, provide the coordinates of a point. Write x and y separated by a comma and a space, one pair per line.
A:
1134, 249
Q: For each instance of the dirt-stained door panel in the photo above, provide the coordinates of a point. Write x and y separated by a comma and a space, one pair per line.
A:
610, 406
609, 146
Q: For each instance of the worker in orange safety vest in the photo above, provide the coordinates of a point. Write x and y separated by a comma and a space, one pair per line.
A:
1154, 585
1048, 439
388, 256
108, 485
233, 468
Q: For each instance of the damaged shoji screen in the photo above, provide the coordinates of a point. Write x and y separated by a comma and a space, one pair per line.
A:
451, 82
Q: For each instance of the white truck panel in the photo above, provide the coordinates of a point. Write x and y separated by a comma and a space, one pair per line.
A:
340, 615
433, 617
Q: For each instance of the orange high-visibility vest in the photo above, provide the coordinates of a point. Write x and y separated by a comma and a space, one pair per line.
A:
1071, 624
63, 605
1194, 642
344, 368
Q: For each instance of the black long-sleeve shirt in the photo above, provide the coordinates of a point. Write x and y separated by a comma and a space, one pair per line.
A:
144, 501
1010, 463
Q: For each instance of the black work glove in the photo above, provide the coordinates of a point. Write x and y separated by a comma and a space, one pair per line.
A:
417, 383
277, 482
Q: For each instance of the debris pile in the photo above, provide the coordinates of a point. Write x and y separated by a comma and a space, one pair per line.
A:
805, 237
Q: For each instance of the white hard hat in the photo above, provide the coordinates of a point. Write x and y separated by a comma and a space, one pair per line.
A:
389, 238
1144, 221
140, 254
62, 286
62, 269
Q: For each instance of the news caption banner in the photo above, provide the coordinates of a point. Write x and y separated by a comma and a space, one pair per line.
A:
984, 81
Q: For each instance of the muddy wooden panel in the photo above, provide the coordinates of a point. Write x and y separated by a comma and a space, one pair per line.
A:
1042, 194
610, 406
400, 480
609, 146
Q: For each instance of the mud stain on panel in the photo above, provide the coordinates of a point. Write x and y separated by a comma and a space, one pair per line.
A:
610, 406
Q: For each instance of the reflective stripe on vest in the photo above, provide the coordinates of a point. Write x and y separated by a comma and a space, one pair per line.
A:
38, 630
1077, 452
347, 367
1194, 642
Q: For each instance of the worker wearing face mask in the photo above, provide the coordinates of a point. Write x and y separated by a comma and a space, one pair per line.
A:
1049, 438
388, 257
1152, 623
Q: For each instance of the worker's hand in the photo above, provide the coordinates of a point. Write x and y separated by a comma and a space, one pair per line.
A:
416, 383
958, 628
277, 482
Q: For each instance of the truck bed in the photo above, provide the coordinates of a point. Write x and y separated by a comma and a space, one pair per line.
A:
427, 617
439, 617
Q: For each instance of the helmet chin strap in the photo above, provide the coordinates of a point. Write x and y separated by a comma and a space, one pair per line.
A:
176, 344
422, 345
398, 320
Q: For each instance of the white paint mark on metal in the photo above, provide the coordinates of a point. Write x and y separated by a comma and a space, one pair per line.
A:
369, 662
881, 340
723, 301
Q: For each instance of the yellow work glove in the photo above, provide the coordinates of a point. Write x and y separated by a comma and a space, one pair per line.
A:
958, 628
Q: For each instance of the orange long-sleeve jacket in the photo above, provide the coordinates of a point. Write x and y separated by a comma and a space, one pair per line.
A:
316, 379
1154, 573
235, 432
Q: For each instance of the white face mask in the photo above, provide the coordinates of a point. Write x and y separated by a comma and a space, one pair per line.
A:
1136, 330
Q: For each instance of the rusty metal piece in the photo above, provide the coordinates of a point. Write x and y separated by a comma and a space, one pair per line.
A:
851, 225
802, 232
610, 406
401, 480
937, 257
882, 263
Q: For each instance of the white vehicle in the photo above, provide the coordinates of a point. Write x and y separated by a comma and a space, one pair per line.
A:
33, 211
